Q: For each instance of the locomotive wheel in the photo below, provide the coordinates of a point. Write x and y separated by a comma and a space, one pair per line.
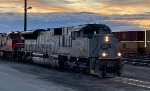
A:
118, 73
118, 70
4, 55
62, 63
104, 71
76, 69
9, 56
86, 71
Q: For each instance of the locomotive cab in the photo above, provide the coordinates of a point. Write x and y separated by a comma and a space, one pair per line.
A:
12, 40
103, 50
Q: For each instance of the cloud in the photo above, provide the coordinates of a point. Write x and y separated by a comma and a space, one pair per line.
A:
134, 13
106, 7
123, 6
125, 2
39, 6
142, 20
14, 21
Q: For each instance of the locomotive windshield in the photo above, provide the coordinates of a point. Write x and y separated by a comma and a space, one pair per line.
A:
105, 46
96, 28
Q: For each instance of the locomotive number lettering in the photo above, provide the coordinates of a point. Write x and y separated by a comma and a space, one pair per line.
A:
105, 46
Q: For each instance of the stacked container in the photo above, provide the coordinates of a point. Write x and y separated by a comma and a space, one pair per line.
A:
131, 41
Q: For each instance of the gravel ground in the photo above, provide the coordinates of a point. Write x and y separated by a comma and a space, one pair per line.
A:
26, 77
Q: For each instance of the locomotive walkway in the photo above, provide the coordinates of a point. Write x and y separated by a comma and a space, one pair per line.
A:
25, 77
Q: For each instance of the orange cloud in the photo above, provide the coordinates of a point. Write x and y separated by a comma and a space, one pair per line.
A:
143, 23
38, 6
106, 7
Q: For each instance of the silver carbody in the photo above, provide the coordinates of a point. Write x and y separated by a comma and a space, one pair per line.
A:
84, 46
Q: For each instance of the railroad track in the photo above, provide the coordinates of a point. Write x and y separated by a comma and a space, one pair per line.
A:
133, 82
137, 59
137, 62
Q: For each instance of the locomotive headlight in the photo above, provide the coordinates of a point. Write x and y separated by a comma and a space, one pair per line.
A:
119, 54
106, 39
104, 54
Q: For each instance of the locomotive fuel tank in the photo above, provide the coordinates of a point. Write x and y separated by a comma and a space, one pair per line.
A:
45, 59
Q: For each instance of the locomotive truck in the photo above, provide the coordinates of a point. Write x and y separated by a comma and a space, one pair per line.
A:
89, 48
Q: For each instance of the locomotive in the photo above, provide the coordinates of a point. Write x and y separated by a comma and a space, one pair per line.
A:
88, 48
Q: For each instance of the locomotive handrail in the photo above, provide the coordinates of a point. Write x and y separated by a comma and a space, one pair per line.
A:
94, 35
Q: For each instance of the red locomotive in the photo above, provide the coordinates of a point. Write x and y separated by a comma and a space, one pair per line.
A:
9, 43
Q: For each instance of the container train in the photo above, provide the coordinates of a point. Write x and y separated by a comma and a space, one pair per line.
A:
133, 41
89, 48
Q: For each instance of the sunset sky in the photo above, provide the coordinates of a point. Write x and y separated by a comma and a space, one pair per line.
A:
128, 11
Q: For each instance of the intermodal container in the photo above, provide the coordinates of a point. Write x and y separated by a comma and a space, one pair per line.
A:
130, 35
148, 35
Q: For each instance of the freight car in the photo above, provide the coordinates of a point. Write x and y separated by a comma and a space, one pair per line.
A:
133, 41
89, 48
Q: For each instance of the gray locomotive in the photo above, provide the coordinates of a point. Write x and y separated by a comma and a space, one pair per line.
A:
89, 48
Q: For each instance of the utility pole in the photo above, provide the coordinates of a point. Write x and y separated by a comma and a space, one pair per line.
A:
25, 15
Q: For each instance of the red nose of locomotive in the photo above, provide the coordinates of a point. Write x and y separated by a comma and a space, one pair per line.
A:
12, 40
